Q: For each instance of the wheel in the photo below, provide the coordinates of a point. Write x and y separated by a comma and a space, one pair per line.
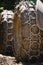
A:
8, 39
26, 32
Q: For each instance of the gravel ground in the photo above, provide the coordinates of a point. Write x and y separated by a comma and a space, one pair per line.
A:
8, 60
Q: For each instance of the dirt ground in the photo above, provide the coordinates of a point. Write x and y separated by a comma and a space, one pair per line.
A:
8, 60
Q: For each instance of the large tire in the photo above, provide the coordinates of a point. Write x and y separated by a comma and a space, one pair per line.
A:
8, 39
26, 32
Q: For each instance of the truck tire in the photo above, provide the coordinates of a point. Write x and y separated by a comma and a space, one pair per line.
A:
8, 39
26, 32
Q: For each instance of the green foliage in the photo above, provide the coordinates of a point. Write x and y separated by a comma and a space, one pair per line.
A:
33, 1
10, 4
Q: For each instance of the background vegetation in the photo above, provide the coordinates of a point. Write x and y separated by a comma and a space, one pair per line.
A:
10, 4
